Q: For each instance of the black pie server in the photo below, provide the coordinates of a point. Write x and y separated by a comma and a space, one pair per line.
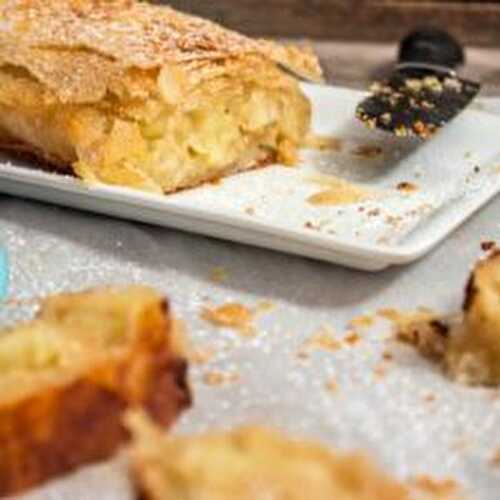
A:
424, 91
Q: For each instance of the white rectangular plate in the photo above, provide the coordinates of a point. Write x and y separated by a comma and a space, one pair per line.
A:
455, 174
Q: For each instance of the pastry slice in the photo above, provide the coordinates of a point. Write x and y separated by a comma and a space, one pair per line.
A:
67, 377
129, 93
253, 463
466, 344
473, 354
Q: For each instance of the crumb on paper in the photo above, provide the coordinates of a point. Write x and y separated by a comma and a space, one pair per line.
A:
477, 169
216, 378
374, 212
332, 385
495, 459
486, 246
422, 329
201, 355
324, 142
380, 370
362, 321
389, 313
250, 211
436, 487
429, 397
231, 315
352, 338
387, 356
393, 220
313, 227
461, 444
407, 187
367, 151
218, 274
322, 340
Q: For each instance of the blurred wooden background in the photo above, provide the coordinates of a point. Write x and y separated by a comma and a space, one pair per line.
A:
474, 22
357, 39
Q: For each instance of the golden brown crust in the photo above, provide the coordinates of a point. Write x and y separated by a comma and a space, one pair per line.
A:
65, 43
53, 429
30, 153
139, 95
253, 463
471, 289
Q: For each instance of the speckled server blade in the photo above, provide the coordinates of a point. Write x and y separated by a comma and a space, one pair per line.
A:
416, 102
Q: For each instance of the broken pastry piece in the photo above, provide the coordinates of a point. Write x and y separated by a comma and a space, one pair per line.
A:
473, 355
468, 344
133, 94
255, 464
67, 377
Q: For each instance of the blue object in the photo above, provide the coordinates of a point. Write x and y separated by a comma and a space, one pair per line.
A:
4, 273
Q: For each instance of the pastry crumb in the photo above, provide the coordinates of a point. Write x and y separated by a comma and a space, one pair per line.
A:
421, 328
332, 385
374, 212
438, 488
337, 191
201, 355
312, 226
363, 321
231, 315
352, 338
429, 397
250, 211
407, 187
216, 378
387, 356
380, 370
495, 459
345, 195
460, 444
322, 340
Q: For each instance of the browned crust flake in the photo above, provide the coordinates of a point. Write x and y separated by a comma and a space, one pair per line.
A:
64, 426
